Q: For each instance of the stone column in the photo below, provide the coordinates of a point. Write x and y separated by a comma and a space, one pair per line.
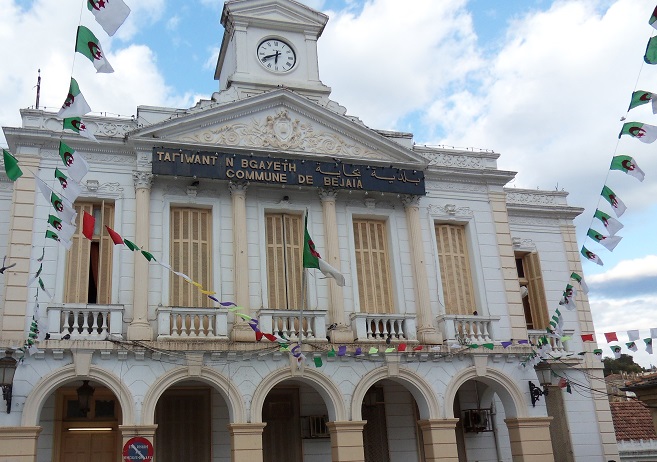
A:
347, 441
19, 250
241, 331
140, 328
19, 444
426, 332
246, 442
439, 436
341, 333
530, 439
130, 431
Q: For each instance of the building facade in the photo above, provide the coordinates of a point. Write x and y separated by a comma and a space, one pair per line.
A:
439, 259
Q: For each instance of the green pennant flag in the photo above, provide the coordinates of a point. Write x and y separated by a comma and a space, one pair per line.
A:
78, 126
612, 225
149, 256
628, 165
87, 44
131, 245
490, 346
318, 361
373, 351
640, 97
52, 235
55, 221
12, 169
650, 56
389, 349
473, 346
331, 353
615, 202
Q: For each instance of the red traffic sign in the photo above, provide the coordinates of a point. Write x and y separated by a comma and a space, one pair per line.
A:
137, 449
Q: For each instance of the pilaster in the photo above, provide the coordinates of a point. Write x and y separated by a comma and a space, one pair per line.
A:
439, 436
347, 441
19, 444
130, 431
241, 331
530, 439
246, 442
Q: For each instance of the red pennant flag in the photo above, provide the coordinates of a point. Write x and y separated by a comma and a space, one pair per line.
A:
270, 337
259, 335
401, 347
563, 383
587, 337
88, 224
418, 348
611, 337
116, 238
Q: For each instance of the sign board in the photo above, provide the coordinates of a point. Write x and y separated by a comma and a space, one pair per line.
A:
137, 448
288, 172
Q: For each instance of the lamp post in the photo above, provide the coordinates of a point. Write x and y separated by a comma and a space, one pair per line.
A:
544, 374
7, 370
85, 393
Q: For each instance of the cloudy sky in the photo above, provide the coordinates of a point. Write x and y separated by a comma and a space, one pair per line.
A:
544, 83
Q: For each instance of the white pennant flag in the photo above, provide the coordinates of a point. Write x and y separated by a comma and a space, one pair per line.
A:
633, 335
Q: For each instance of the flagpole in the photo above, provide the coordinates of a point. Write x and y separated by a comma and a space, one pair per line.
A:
304, 283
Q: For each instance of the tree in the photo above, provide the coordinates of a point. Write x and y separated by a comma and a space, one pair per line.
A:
623, 364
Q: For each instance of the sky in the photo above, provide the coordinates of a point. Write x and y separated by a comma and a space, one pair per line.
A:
544, 83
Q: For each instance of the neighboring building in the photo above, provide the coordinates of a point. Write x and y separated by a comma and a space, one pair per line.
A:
635, 433
616, 383
435, 252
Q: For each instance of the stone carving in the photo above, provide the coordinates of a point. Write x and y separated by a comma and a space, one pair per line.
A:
529, 198
410, 200
142, 179
449, 210
452, 160
280, 131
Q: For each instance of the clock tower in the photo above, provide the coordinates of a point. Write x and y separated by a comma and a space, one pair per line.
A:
269, 44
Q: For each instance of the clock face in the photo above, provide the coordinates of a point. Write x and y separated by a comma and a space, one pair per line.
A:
276, 55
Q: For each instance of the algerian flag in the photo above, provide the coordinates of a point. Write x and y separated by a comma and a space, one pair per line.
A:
581, 281
631, 346
643, 132
568, 299
36, 275
75, 104
598, 353
628, 165
76, 124
641, 97
653, 18
65, 230
612, 224
611, 197
650, 57
64, 209
312, 259
70, 188
12, 169
648, 342
591, 256
43, 287
55, 237
87, 44
609, 242
617, 351
110, 14
77, 166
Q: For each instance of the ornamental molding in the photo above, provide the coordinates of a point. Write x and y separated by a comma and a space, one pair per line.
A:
520, 243
452, 160
530, 198
450, 211
534, 221
96, 158
280, 131
92, 188
105, 128
143, 180
410, 200
465, 186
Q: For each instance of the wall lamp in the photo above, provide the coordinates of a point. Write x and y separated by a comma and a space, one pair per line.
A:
85, 394
544, 375
7, 370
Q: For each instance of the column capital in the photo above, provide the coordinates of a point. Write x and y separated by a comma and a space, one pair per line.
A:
438, 424
327, 194
143, 180
410, 200
238, 188
528, 422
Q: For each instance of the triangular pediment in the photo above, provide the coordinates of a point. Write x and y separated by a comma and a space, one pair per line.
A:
270, 12
279, 123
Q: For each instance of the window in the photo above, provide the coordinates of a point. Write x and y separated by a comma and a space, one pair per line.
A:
284, 260
89, 264
372, 266
531, 290
455, 274
190, 253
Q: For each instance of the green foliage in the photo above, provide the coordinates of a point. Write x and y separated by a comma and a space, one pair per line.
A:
623, 364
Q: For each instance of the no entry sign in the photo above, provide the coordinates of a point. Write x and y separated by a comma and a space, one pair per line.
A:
137, 449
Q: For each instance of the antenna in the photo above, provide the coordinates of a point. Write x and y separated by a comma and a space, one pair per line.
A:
38, 87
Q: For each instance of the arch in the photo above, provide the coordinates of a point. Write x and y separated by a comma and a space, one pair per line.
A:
51, 382
230, 393
321, 383
424, 395
504, 386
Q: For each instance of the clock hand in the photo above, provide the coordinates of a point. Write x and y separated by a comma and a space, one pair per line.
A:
276, 59
270, 56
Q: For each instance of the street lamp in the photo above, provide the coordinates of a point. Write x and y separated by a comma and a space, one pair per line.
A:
7, 371
85, 393
544, 375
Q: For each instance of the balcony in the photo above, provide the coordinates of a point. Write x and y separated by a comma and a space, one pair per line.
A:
178, 323
76, 321
286, 323
559, 347
380, 327
468, 329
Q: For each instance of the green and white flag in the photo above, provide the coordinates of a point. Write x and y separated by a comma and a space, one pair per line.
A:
653, 18
568, 298
55, 237
648, 342
75, 104
43, 287
614, 201
617, 351
631, 346
609, 242
628, 165
64, 230
581, 281
641, 97
79, 127
87, 44
77, 166
110, 14
71, 190
36, 275
312, 259
612, 224
650, 57
643, 132
591, 256
12, 169
63, 208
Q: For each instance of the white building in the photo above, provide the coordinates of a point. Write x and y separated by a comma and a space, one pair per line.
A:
434, 250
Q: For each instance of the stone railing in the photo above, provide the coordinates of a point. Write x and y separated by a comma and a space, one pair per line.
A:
380, 327
78, 321
558, 347
286, 323
468, 329
637, 450
175, 322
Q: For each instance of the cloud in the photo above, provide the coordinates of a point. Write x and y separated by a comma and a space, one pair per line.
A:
638, 268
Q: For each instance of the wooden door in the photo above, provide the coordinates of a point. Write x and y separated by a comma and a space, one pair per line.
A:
281, 438
81, 446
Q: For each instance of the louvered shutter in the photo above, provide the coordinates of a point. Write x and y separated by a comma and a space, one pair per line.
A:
77, 262
190, 251
455, 273
106, 248
537, 300
372, 266
284, 260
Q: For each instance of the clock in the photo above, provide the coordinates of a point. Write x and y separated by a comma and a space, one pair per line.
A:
276, 55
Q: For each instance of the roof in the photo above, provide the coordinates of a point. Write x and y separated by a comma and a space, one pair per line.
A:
632, 421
